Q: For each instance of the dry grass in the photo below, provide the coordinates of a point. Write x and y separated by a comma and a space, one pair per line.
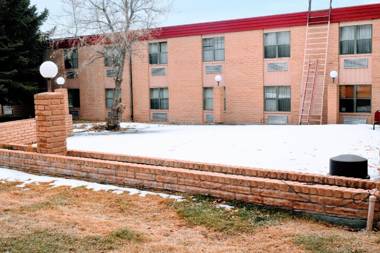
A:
41, 219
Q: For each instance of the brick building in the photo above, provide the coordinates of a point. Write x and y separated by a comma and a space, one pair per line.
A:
275, 70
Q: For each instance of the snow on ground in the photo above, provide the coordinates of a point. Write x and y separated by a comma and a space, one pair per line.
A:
292, 148
7, 175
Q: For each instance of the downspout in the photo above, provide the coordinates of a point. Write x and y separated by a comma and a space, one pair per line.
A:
131, 87
371, 212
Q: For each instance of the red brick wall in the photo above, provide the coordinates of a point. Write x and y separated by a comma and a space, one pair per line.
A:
18, 132
294, 195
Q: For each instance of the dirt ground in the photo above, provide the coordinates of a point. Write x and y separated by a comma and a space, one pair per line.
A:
42, 219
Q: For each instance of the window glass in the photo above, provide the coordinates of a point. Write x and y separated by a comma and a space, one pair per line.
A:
158, 53
71, 58
159, 98
213, 49
111, 56
364, 39
208, 101
109, 98
277, 44
355, 98
356, 39
277, 98
74, 98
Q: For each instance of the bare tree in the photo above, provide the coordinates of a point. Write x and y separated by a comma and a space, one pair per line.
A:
118, 26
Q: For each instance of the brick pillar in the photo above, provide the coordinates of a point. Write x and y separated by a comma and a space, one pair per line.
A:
69, 118
218, 104
50, 123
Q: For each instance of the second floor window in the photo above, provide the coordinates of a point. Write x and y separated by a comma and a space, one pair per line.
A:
277, 45
208, 99
159, 99
158, 53
356, 39
71, 58
277, 98
213, 49
111, 56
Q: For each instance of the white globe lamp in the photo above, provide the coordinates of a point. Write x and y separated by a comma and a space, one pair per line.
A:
49, 70
218, 79
60, 81
334, 75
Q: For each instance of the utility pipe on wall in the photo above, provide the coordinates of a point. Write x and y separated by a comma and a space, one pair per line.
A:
371, 212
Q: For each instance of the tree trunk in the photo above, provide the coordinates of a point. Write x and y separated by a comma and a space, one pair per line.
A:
115, 115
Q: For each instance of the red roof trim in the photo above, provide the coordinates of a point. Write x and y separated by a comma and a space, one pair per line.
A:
346, 14
363, 12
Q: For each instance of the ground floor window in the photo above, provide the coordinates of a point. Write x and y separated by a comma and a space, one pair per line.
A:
208, 99
277, 99
159, 99
109, 98
74, 98
355, 98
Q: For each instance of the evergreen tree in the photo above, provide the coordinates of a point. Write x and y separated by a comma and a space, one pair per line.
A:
22, 49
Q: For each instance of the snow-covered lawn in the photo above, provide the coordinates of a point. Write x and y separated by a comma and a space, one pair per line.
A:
294, 148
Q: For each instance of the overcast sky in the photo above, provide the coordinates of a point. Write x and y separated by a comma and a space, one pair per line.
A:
193, 11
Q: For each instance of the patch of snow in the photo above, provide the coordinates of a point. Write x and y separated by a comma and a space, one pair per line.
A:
25, 179
226, 207
290, 148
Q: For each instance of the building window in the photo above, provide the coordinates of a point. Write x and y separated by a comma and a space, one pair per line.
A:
159, 99
355, 98
356, 39
158, 53
74, 98
109, 98
111, 56
208, 99
71, 58
277, 45
277, 99
213, 49
158, 71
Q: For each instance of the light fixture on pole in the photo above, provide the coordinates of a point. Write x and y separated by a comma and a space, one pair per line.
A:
49, 70
334, 75
60, 81
218, 79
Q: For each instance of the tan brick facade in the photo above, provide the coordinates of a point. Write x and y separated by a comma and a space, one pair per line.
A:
245, 75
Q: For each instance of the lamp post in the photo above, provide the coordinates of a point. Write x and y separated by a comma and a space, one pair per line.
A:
49, 70
218, 79
334, 75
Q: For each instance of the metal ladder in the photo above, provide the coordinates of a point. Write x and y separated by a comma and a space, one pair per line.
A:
315, 66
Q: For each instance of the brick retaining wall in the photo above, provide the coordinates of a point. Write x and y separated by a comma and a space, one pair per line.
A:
303, 196
234, 170
18, 132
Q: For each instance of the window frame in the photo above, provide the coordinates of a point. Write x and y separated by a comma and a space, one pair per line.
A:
356, 39
355, 99
108, 98
213, 48
161, 99
71, 98
159, 54
208, 99
277, 45
277, 99
74, 59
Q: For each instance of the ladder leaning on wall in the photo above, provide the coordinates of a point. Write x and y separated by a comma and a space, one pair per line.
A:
315, 66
